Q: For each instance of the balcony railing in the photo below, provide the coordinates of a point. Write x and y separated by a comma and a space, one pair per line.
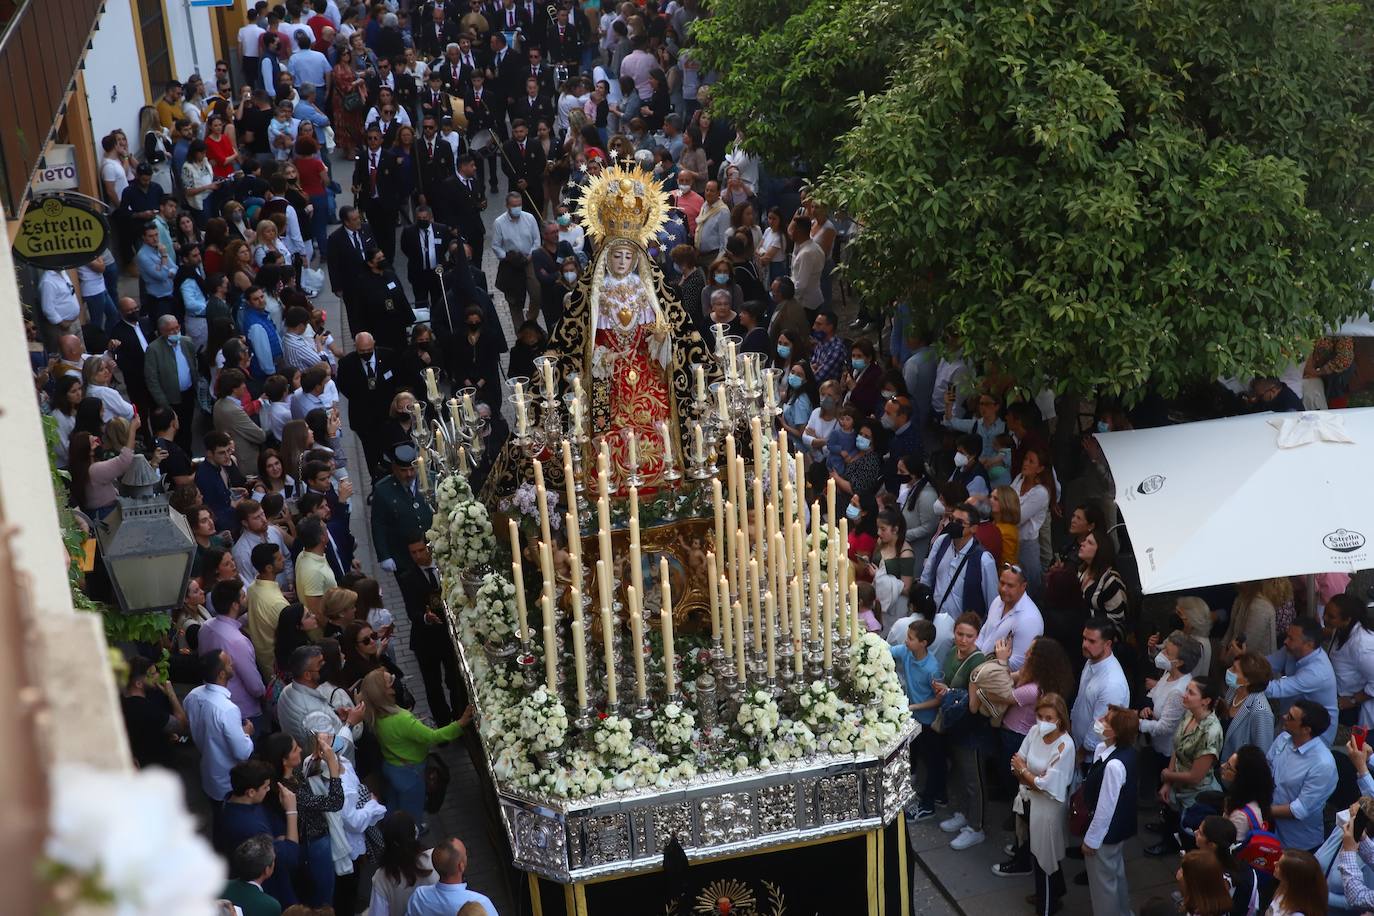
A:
40, 49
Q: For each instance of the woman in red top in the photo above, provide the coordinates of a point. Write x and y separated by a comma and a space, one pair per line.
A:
313, 176
216, 240
219, 148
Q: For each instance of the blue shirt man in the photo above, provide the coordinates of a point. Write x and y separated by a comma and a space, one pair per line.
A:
1303, 671
954, 556
450, 861
307, 110
155, 267
1304, 776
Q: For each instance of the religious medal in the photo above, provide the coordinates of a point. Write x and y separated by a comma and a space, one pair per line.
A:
371, 382
388, 305
625, 314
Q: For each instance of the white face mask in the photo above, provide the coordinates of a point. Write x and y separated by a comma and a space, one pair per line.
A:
1162, 662
1042, 729
960, 460
939, 507
1098, 728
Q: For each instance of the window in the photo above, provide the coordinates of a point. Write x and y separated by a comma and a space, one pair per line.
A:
158, 57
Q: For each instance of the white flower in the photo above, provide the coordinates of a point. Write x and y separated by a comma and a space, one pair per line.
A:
98, 826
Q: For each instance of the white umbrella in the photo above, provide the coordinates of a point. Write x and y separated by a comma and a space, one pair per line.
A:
1246, 497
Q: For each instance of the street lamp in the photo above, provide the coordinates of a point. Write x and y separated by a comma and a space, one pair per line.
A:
147, 548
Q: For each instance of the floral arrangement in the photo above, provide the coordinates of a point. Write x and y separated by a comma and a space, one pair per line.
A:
100, 852
461, 535
543, 721
492, 617
673, 728
821, 707
791, 740
758, 714
525, 504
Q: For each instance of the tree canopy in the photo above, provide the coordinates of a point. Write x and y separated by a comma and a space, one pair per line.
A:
1100, 194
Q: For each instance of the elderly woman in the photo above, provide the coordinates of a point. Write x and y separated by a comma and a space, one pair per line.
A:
1159, 720
1044, 768
1254, 622
1246, 709
1113, 801
1195, 621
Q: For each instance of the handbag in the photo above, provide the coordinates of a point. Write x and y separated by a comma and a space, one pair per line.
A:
953, 705
353, 99
1080, 812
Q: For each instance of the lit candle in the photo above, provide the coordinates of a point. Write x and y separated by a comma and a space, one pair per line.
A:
577, 414
772, 647
521, 418
637, 641
722, 406
666, 622
431, 385
421, 474
633, 449
579, 663
727, 623
517, 573
469, 413
574, 561
699, 372
714, 593
550, 647
608, 646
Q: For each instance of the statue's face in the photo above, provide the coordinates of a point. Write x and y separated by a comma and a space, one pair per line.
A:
621, 260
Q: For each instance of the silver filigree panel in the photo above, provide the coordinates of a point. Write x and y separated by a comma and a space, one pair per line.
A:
838, 798
727, 818
777, 808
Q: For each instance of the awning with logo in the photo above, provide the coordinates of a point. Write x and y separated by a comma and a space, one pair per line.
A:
1246, 497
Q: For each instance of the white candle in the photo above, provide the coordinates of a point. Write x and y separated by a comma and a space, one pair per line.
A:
770, 395
856, 629
778, 541
431, 385
796, 626
666, 622
633, 449
569, 482
827, 623
608, 646
421, 473
667, 445
579, 663
830, 503
722, 406
541, 499
521, 418
636, 565
734, 363
548, 380
700, 373
469, 413
575, 587
754, 605
714, 593
546, 568
637, 641
577, 411
772, 647
727, 622
814, 588
699, 448
517, 572
550, 647
843, 557
740, 662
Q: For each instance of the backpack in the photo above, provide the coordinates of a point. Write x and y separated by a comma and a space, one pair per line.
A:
1262, 848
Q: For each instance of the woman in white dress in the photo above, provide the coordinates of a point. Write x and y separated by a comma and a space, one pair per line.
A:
1044, 768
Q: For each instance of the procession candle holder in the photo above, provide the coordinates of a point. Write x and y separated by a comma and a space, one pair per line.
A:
758, 669
815, 659
717, 651
528, 666
551, 421
586, 718
786, 655
706, 706
584, 507
643, 714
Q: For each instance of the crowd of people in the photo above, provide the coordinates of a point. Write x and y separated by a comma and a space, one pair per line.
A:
1010, 605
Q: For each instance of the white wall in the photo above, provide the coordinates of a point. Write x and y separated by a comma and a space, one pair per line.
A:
112, 69
112, 63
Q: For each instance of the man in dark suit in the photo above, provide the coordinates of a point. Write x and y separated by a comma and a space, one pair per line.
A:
536, 23
504, 66
433, 163
424, 245
429, 635
345, 255
533, 106
368, 377
485, 112
523, 163
469, 201
539, 71
437, 32
434, 101
376, 188
563, 43
134, 334
456, 67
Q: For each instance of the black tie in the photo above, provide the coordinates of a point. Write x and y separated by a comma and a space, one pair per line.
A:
432, 577
357, 242
367, 368
424, 248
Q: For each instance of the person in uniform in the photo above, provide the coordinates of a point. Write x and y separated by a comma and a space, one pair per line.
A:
398, 508
387, 312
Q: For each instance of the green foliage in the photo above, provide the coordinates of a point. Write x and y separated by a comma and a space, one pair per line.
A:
1095, 195
148, 627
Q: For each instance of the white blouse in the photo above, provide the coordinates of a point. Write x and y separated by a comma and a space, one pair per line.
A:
1035, 505
1168, 712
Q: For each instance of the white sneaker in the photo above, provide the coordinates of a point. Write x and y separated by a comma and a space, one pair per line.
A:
953, 824
966, 838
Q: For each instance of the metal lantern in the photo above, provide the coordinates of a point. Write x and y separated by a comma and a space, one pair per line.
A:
147, 548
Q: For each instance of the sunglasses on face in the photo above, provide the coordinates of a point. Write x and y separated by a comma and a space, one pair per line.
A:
367, 640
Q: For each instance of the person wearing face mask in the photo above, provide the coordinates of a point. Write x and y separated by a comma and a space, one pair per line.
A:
514, 237
788, 318
719, 277
473, 361
1044, 768
1249, 718
798, 396
1110, 792
863, 473
1160, 716
1197, 745
916, 501
569, 230
688, 200
967, 468
862, 513
862, 381
820, 426
386, 305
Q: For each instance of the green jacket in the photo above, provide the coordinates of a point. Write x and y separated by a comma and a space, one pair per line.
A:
397, 513
406, 740
253, 899
160, 371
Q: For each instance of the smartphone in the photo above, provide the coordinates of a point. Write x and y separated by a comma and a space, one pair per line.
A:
1359, 733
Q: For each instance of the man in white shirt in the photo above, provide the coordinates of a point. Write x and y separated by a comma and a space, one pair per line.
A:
221, 733
1351, 650
514, 237
808, 260
1011, 615
1102, 684
250, 41
61, 308
256, 530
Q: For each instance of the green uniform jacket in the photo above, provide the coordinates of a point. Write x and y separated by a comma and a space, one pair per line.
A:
397, 513
253, 899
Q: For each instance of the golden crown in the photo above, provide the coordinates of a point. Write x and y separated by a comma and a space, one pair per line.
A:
623, 203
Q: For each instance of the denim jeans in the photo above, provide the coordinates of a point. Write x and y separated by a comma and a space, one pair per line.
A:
318, 870
405, 788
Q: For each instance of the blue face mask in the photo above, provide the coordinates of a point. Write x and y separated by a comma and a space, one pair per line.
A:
722, 279
340, 743
851, 512
174, 339
784, 351
1103, 426
794, 381
1232, 679
863, 442
515, 211
859, 364
564, 220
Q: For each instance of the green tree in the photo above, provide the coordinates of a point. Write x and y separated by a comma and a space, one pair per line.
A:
1105, 194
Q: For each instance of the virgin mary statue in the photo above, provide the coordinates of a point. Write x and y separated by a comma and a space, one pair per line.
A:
623, 335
